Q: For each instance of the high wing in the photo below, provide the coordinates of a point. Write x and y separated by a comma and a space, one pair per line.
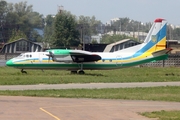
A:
84, 56
73, 55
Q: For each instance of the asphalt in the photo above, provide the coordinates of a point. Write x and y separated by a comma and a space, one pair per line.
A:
36, 108
2, 63
87, 86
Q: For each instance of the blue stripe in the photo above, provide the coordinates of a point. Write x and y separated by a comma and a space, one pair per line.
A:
160, 35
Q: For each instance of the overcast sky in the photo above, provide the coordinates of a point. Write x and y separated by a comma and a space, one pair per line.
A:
104, 10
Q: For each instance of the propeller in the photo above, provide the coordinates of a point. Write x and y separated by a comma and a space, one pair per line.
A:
51, 55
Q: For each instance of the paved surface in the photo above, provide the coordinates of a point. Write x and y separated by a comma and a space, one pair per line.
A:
88, 85
35, 108
2, 62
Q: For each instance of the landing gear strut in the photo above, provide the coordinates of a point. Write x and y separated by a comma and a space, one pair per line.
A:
81, 69
22, 71
81, 72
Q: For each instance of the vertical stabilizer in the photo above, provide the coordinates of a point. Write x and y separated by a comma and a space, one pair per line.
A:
156, 37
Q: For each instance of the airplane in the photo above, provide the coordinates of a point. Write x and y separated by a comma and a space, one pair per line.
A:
152, 49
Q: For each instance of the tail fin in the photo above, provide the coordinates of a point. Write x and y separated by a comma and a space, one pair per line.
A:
155, 41
156, 38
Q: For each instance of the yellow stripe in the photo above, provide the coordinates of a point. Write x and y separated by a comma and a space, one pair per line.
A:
50, 114
148, 53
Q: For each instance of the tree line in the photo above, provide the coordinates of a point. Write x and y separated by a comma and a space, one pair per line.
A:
63, 29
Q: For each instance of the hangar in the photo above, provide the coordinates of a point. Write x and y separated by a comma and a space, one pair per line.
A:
122, 44
20, 46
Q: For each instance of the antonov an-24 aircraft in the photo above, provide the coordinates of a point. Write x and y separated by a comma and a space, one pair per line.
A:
152, 49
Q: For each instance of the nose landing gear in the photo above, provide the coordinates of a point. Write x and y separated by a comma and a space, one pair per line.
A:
22, 71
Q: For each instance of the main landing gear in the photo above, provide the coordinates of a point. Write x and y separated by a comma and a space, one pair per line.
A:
81, 72
22, 71
81, 69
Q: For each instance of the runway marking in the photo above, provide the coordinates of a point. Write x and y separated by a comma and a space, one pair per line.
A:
50, 114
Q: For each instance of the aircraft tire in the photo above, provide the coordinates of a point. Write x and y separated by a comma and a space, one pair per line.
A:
81, 72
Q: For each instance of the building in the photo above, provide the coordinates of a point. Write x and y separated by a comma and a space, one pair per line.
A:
20, 46
96, 38
122, 44
175, 45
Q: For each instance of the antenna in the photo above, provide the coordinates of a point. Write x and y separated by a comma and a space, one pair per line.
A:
60, 9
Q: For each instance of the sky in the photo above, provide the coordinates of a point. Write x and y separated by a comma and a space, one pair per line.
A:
104, 10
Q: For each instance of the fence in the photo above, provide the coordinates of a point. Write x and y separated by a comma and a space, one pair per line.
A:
172, 61
8, 56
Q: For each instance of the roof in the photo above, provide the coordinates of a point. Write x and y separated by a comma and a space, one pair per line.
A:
108, 47
20, 40
17, 41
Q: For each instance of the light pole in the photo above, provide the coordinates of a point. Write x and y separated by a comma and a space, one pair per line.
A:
82, 37
120, 27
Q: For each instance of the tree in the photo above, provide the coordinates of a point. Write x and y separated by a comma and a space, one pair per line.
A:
65, 32
20, 17
89, 24
3, 12
48, 29
35, 36
17, 34
176, 34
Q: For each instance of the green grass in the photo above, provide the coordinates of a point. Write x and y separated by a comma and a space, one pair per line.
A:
153, 93
12, 76
163, 115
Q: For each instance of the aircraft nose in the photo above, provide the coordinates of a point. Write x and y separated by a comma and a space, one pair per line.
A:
9, 63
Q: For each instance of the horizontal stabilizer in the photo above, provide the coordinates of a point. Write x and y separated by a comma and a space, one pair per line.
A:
164, 51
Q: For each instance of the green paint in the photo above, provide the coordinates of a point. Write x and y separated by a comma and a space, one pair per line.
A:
59, 65
59, 51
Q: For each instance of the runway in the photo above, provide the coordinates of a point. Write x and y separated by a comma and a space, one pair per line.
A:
36, 108
87, 85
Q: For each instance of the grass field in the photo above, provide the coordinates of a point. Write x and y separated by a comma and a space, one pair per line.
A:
163, 115
152, 93
11, 76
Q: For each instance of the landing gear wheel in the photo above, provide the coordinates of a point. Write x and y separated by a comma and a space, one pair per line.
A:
81, 72
22, 71
73, 72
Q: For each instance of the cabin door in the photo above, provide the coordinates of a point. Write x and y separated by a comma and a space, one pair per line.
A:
40, 57
118, 60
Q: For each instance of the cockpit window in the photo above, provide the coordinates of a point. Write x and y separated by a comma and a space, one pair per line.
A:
21, 55
24, 55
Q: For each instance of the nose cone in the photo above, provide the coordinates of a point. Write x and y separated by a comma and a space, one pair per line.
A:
9, 63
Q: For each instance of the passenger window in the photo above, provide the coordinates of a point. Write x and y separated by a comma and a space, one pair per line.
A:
30, 55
